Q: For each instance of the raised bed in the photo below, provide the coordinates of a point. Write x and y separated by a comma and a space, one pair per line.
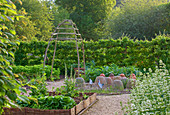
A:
81, 105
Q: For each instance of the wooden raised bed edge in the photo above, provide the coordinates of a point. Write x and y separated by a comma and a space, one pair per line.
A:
31, 111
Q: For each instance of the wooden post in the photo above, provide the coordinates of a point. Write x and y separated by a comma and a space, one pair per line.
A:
45, 56
84, 59
53, 59
78, 57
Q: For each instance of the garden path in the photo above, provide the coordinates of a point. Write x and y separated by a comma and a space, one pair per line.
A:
107, 105
56, 84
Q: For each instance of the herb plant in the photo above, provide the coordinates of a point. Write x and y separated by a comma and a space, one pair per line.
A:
151, 96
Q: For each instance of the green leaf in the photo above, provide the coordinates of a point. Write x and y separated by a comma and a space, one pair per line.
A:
1, 82
9, 34
14, 105
32, 86
22, 90
4, 45
11, 53
12, 95
13, 32
9, 72
1, 102
9, 84
23, 98
34, 99
5, 51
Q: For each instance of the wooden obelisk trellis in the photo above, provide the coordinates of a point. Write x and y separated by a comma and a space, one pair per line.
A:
55, 36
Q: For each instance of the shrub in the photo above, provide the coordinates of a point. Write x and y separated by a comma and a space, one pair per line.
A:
122, 52
140, 19
36, 70
151, 96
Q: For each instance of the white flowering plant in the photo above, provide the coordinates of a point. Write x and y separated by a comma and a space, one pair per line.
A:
151, 96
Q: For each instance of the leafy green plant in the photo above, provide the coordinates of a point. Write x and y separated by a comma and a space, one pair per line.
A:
50, 102
69, 89
38, 86
151, 95
93, 72
10, 88
36, 70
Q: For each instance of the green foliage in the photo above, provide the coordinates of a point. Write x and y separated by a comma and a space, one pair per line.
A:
124, 81
26, 29
93, 72
36, 70
122, 52
151, 95
69, 89
89, 16
10, 88
50, 102
59, 14
37, 86
38, 18
140, 19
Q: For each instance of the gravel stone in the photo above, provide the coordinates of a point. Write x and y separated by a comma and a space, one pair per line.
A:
108, 105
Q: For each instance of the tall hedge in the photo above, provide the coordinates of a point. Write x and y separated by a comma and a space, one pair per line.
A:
122, 52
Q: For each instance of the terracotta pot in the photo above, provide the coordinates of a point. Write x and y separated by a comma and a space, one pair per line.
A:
102, 74
122, 75
132, 76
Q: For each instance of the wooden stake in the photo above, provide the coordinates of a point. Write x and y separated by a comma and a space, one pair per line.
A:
53, 59
45, 56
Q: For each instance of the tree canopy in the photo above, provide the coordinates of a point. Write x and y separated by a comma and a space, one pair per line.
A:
39, 17
88, 15
139, 18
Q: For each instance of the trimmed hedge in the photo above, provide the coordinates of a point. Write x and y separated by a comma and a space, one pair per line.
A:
122, 52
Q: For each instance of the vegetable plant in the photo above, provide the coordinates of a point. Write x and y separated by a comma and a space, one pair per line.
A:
50, 102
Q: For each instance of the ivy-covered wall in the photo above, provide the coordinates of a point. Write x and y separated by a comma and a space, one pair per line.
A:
122, 52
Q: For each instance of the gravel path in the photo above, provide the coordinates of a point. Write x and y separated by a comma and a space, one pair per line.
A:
56, 84
107, 105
